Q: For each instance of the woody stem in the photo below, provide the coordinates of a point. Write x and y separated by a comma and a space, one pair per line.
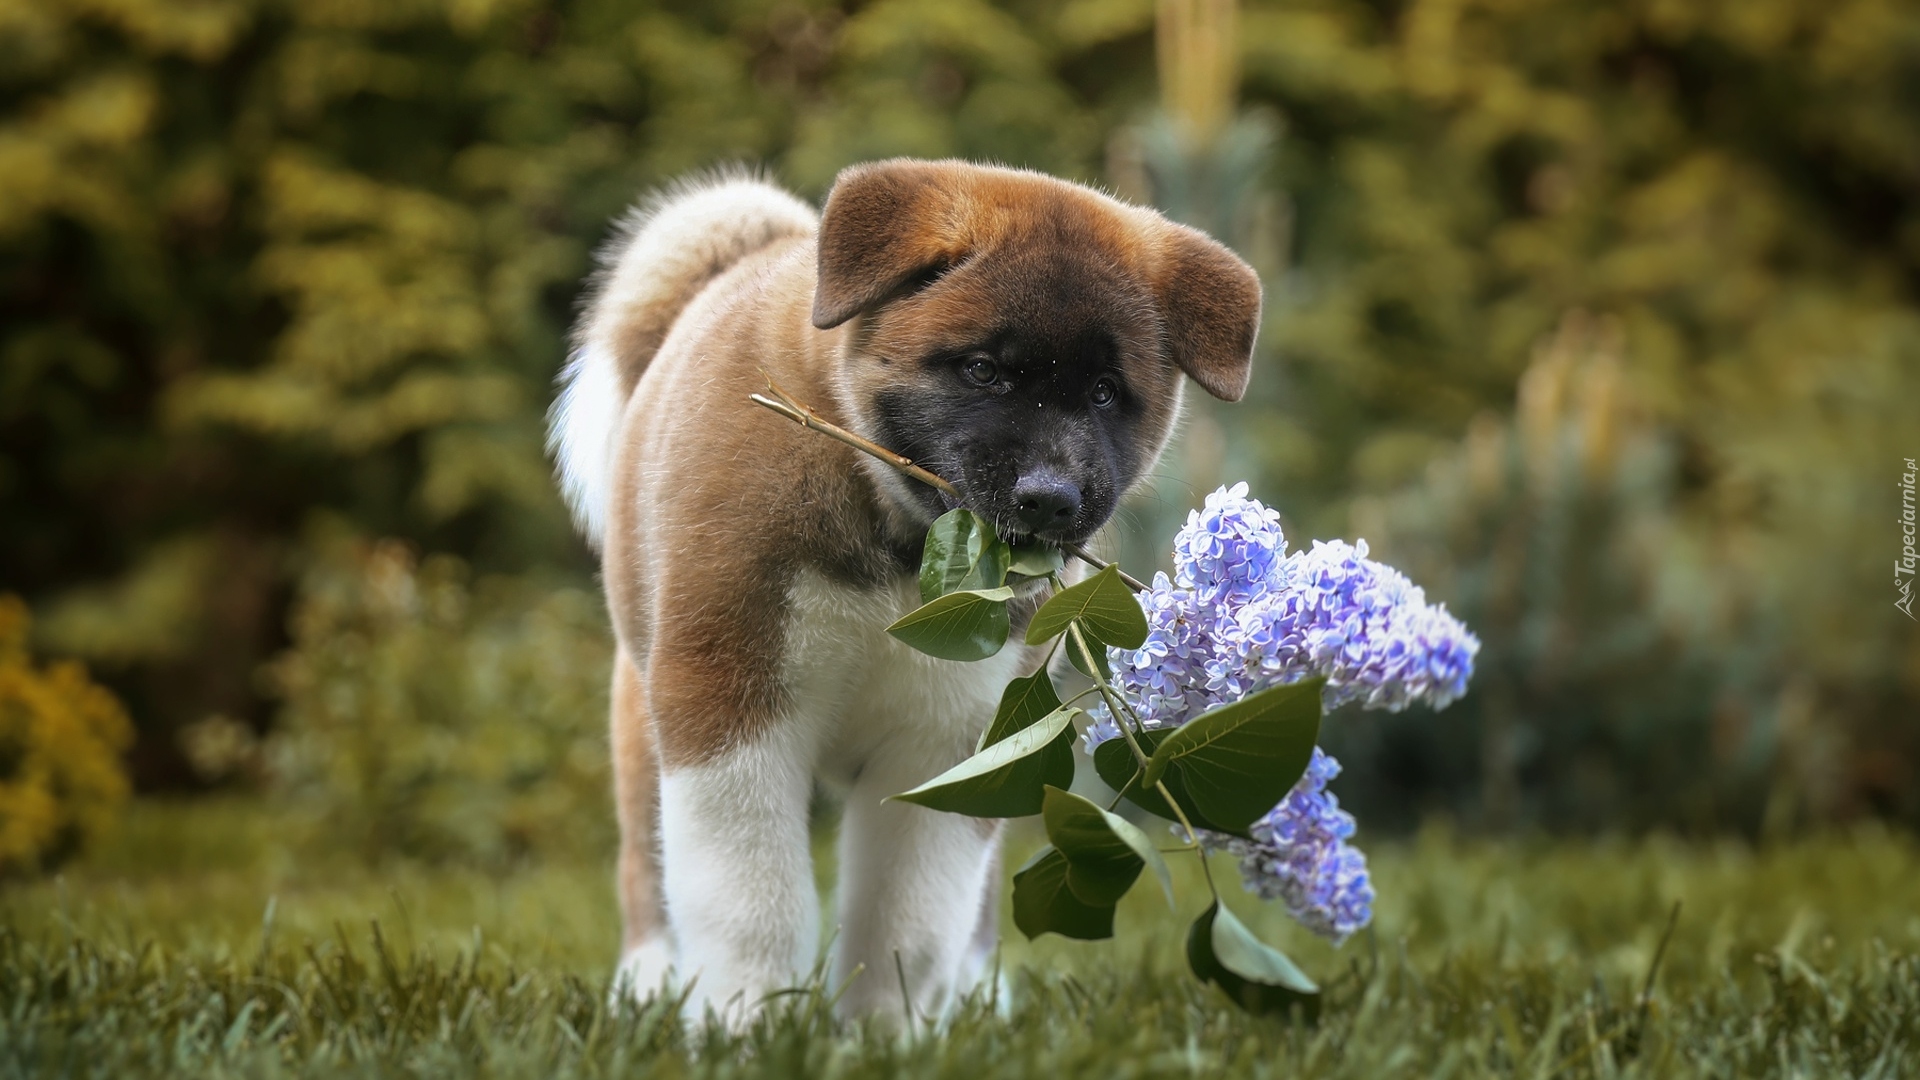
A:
784, 404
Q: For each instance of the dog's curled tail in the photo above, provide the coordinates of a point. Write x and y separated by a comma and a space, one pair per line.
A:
665, 251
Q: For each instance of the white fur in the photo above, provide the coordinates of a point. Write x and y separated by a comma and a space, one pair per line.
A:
580, 434
668, 248
914, 884
880, 718
645, 969
739, 872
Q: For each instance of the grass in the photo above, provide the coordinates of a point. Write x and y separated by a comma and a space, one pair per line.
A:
195, 944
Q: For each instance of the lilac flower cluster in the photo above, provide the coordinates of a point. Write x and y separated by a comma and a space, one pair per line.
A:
1299, 855
1241, 614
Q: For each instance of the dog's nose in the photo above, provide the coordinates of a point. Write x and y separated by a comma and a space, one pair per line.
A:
1045, 500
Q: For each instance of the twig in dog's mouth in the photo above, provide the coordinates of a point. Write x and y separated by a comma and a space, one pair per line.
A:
802, 414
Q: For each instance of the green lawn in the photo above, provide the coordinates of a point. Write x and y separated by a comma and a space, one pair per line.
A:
194, 943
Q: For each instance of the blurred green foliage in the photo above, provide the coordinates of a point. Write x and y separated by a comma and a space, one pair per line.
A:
261, 261
1558, 538
1733, 189
261, 258
432, 716
1702, 630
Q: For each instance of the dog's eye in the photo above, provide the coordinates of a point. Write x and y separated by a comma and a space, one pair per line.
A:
1105, 391
981, 371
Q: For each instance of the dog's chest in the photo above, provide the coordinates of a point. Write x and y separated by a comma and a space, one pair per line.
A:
858, 687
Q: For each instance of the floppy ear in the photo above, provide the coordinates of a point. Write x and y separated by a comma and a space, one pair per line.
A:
1212, 309
884, 225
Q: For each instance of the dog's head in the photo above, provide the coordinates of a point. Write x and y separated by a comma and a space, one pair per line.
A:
1023, 337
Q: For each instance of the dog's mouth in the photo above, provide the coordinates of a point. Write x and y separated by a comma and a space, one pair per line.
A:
1007, 523
1018, 534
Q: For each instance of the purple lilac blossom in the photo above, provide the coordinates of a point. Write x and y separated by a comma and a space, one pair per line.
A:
1241, 614
1299, 855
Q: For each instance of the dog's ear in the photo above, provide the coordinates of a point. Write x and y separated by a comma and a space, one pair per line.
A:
884, 225
1211, 301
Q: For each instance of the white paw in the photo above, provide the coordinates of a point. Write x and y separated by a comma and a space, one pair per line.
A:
645, 970
735, 1002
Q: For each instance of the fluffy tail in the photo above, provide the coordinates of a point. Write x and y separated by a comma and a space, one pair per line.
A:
668, 249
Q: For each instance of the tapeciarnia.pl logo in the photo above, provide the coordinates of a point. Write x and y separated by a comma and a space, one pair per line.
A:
1903, 567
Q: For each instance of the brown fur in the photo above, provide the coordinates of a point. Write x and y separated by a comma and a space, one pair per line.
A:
637, 803
887, 222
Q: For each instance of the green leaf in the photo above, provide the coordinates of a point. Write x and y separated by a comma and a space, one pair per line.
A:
962, 552
1023, 702
1036, 560
1258, 977
1103, 604
1043, 903
968, 625
1101, 671
1009, 778
1115, 764
1237, 761
1105, 852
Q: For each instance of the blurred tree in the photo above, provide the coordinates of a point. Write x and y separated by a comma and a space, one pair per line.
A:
1727, 185
261, 259
1558, 536
1201, 162
258, 259
1735, 187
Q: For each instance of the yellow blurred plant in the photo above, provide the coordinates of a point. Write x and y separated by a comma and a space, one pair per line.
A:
61, 734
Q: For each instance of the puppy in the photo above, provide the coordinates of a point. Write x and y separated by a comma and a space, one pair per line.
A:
1024, 338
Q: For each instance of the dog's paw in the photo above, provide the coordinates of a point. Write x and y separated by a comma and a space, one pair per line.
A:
645, 970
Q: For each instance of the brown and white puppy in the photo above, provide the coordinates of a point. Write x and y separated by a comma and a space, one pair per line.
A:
1023, 337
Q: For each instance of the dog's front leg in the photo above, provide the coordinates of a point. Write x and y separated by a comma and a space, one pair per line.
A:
912, 885
738, 872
